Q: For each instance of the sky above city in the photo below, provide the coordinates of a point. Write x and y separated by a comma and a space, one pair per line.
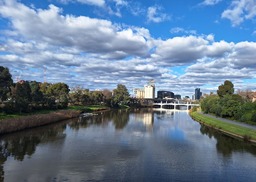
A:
97, 44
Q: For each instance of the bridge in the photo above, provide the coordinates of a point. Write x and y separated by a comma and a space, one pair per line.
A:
165, 104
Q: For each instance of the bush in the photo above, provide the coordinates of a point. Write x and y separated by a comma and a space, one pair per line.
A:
246, 117
254, 117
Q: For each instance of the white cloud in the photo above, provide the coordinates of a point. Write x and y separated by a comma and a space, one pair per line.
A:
239, 11
96, 53
180, 50
210, 2
99, 3
177, 30
154, 14
83, 33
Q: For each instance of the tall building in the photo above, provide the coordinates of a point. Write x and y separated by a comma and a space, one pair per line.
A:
164, 94
198, 94
149, 91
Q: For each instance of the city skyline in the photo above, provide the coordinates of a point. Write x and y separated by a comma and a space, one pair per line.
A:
98, 44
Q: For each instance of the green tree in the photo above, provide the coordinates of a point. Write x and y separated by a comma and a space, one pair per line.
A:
36, 94
230, 105
5, 83
226, 88
21, 95
120, 95
96, 97
59, 92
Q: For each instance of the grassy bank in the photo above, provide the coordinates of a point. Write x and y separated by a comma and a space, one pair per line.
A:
226, 128
19, 122
90, 108
16, 122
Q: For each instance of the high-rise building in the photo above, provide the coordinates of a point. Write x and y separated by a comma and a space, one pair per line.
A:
149, 91
198, 94
164, 94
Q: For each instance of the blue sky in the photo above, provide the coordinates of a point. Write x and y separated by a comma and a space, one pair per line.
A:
98, 44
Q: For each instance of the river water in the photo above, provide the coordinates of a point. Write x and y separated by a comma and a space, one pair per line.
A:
126, 145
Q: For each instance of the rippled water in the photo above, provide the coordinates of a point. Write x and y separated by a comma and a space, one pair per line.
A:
126, 145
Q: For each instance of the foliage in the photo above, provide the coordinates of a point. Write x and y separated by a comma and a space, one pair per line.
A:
120, 95
5, 83
229, 105
32, 96
226, 88
21, 96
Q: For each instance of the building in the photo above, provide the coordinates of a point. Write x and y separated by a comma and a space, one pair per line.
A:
177, 97
165, 94
149, 91
198, 94
139, 93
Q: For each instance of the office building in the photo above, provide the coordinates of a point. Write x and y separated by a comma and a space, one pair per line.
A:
198, 94
165, 94
149, 91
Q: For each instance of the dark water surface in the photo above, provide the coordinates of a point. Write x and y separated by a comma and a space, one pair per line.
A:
123, 145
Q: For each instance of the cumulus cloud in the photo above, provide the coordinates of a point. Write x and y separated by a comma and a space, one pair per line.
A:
84, 33
95, 53
155, 15
239, 11
180, 50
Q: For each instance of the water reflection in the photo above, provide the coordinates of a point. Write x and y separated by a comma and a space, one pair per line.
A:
24, 143
126, 145
226, 145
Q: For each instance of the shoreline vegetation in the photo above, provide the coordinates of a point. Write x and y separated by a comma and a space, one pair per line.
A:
14, 123
232, 130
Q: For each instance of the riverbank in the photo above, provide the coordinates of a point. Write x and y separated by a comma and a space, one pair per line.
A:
30, 121
230, 129
13, 123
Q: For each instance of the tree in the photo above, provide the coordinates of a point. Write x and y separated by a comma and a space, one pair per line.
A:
59, 91
5, 83
120, 95
36, 94
226, 88
21, 95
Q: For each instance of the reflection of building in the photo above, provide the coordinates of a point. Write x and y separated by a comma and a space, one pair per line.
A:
146, 118
165, 94
198, 94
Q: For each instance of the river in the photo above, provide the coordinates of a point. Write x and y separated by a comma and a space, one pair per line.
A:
126, 145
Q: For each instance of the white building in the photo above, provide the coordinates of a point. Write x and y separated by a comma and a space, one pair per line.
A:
139, 93
149, 91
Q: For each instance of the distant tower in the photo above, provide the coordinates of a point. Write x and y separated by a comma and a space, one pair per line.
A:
198, 94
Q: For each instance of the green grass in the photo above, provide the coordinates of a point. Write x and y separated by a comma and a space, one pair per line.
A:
88, 108
246, 133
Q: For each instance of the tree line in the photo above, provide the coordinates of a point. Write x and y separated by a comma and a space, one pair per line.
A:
28, 96
227, 104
